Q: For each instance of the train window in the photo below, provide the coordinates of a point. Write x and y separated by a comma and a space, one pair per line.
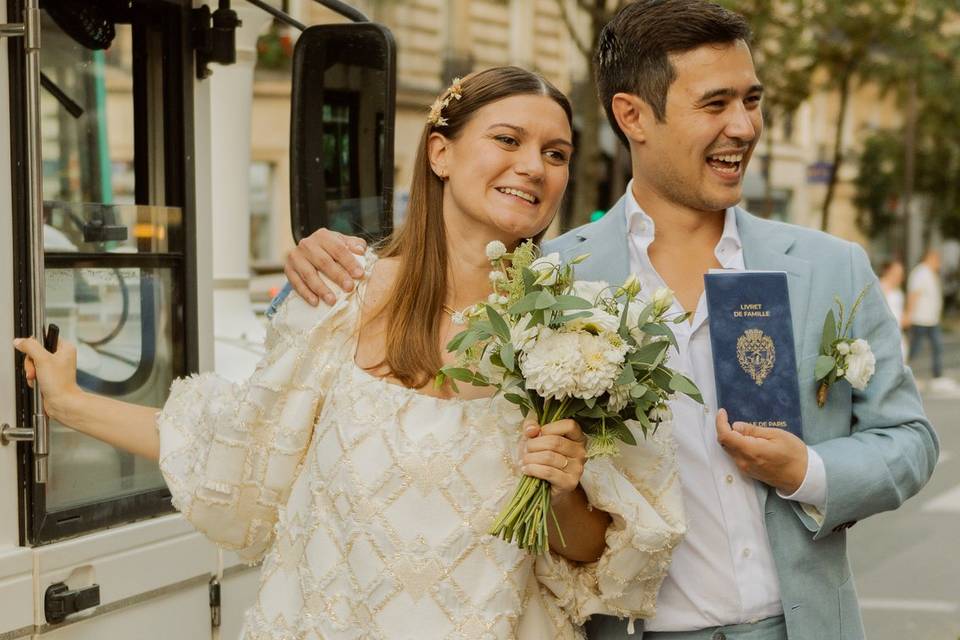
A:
115, 234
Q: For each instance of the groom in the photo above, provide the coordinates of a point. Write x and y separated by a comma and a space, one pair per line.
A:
765, 555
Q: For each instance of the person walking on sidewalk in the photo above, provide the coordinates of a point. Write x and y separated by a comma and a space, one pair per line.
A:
891, 283
924, 310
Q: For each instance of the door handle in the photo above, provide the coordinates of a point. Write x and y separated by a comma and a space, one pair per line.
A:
60, 600
39, 431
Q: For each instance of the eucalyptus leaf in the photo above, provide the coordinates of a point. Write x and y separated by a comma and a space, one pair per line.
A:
638, 390
573, 316
622, 432
500, 328
626, 376
829, 333
506, 356
654, 329
825, 364
526, 304
683, 384
545, 300
517, 399
567, 303
649, 354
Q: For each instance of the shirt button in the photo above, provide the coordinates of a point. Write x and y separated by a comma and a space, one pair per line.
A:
729, 479
746, 553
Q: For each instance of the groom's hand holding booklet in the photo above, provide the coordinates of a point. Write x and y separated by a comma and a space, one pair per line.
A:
751, 335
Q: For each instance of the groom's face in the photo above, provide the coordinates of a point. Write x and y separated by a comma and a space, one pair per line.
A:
697, 156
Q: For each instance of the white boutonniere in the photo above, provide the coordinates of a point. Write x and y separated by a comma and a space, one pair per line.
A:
841, 355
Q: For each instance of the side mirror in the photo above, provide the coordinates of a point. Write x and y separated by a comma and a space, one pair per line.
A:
341, 137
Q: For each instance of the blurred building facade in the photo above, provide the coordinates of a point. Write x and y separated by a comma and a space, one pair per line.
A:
437, 40
440, 39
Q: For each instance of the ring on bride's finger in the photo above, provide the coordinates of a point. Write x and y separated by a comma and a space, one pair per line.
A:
566, 461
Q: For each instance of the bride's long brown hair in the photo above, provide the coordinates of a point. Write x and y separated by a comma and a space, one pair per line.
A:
414, 304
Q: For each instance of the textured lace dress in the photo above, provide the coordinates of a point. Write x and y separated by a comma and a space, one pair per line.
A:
368, 503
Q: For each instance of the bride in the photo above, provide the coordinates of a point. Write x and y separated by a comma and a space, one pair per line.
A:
365, 491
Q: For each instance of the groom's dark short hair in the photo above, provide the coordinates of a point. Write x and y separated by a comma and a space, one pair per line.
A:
633, 48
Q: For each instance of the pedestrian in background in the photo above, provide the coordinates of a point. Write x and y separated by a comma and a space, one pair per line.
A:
891, 282
924, 309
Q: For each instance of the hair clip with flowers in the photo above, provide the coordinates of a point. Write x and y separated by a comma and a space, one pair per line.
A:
436, 118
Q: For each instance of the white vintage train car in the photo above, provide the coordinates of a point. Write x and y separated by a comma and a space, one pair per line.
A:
132, 255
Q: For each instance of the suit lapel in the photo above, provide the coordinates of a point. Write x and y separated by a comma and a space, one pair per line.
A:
606, 242
766, 248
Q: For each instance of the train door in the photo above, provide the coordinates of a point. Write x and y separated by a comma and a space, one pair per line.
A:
105, 231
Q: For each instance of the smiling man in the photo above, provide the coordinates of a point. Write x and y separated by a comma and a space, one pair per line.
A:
764, 557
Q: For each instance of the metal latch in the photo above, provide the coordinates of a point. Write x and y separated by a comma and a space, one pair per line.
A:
214, 602
60, 600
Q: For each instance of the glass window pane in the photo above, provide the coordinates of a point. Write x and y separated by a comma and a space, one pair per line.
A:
86, 110
120, 320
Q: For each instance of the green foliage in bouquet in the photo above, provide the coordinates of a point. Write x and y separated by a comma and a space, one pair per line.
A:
562, 349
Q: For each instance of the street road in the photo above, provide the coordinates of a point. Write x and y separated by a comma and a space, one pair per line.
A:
907, 562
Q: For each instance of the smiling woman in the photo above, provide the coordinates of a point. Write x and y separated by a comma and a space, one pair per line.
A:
492, 164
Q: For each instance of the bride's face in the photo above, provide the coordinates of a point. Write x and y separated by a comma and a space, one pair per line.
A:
508, 168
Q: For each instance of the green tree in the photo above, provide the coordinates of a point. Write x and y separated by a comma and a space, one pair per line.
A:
924, 158
856, 42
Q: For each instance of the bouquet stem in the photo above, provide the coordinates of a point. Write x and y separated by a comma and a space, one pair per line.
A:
526, 518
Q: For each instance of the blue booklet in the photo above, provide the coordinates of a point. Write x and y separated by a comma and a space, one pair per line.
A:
754, 362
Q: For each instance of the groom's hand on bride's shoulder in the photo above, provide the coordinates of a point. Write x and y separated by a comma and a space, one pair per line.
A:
327, 252
773, 456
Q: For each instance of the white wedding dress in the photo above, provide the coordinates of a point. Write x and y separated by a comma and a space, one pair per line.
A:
369, 502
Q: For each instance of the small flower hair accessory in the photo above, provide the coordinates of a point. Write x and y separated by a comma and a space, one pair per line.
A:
455, 90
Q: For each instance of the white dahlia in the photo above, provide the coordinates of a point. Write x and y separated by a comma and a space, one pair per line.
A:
601, 363
552, 364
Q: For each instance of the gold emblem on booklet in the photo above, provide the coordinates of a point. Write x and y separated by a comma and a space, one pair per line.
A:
756, 354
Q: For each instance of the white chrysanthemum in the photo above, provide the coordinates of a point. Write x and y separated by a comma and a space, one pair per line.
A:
547, 267
496, 250
861, 364
619, 397
522, 335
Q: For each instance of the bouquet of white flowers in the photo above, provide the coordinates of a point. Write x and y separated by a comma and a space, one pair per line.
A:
588, 351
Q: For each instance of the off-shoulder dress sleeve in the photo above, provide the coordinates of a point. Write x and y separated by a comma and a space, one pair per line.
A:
640, 489
230, 452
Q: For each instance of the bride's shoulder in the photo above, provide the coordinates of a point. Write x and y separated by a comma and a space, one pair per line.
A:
297, 315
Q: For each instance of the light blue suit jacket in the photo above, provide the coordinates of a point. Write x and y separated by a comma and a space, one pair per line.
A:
877, 445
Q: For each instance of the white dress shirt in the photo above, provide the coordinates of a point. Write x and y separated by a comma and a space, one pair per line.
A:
723, 572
